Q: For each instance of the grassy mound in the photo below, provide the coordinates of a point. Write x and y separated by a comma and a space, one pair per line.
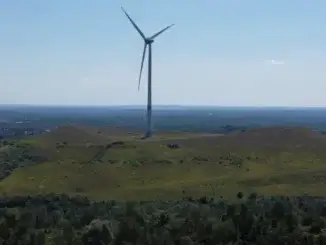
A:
166, 181
77, 160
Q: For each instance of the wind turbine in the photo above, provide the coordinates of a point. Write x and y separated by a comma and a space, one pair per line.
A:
148, 41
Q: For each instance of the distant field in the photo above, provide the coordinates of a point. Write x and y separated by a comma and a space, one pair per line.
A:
85, 160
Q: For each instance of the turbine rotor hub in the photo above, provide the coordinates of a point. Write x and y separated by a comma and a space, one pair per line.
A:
149, 41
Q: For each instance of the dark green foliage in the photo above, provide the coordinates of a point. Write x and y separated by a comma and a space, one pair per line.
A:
233, 159
97, 232
240, 195
62, 220
14, 155
253, 196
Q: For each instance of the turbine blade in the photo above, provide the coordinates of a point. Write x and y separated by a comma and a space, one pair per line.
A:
134, 24
142, 64
160, 32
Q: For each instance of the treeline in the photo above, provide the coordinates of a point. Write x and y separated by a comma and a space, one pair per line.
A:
59, 219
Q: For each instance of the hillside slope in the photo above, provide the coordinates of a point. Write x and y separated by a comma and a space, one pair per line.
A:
270, 160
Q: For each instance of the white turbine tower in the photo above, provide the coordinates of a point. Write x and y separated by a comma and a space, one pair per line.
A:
147, 42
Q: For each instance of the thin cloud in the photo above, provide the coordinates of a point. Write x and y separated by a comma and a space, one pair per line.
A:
275, 62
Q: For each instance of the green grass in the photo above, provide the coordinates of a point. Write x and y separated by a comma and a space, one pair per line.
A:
272, 161
104, 181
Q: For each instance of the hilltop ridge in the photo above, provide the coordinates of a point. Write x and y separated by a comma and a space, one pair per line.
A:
110, 162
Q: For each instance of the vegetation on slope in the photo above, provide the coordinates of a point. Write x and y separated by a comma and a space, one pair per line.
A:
87, 161
13, 156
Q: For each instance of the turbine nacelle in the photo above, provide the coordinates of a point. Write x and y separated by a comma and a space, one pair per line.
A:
149, 41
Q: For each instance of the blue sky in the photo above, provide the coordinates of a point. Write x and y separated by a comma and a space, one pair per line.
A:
227, 53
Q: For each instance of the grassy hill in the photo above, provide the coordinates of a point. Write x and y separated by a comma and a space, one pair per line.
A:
113, 163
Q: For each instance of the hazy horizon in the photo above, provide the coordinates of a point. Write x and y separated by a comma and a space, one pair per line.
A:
162, 105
